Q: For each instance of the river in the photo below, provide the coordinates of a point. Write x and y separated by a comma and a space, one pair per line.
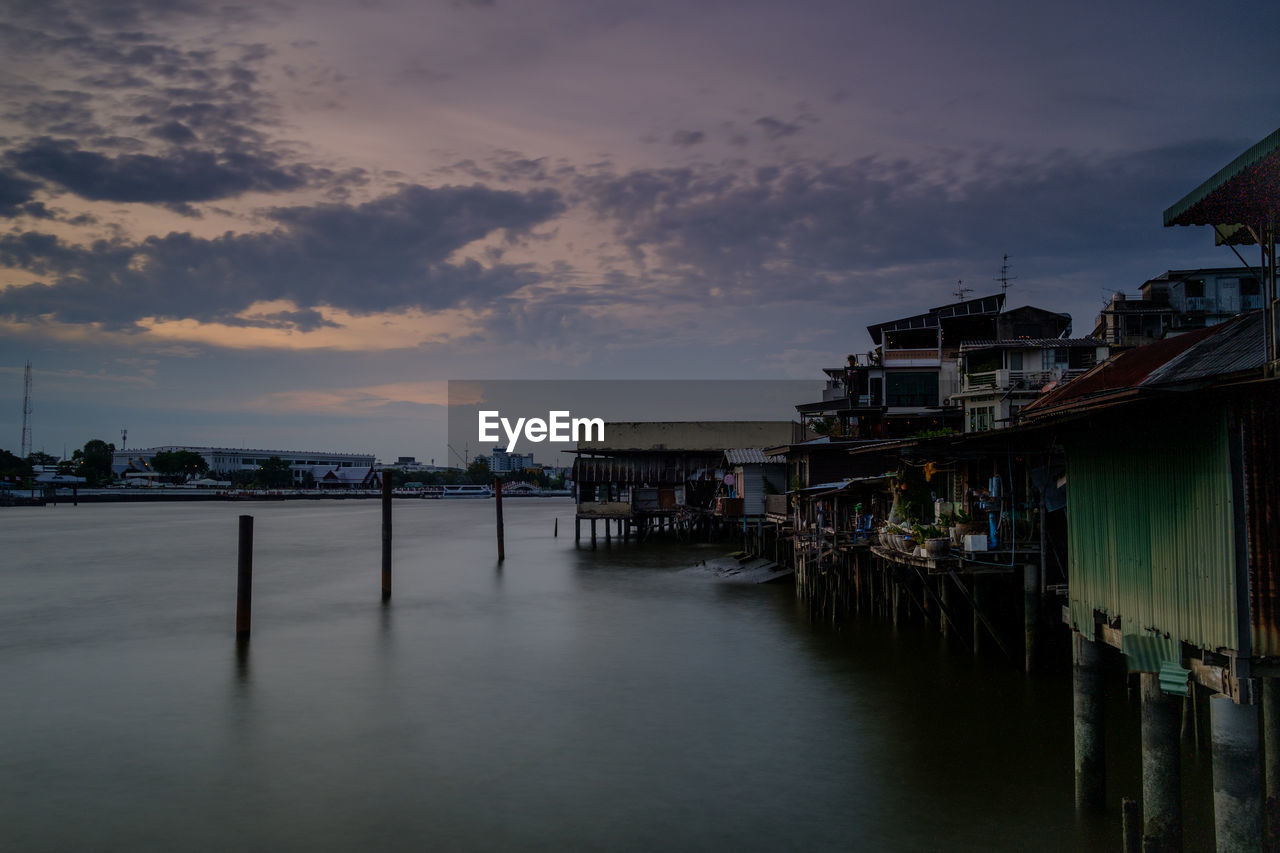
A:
568, 700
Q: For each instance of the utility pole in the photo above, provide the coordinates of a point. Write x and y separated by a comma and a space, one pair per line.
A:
26, 413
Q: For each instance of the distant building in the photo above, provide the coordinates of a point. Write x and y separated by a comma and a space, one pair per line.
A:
224, 461
1177, 301
502, 462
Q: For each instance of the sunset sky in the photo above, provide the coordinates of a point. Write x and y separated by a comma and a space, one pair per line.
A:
285, 225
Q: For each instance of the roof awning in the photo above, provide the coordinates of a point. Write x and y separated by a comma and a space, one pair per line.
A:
1245, 191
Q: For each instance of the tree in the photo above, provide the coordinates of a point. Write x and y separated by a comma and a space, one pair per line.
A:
478, 471
95, 462
275, 473
13, 467
39, 457
179, 465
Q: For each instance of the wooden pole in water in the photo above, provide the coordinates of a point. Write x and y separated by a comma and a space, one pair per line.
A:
244, 578
497, 496
386, 536
555, 531
1131, 825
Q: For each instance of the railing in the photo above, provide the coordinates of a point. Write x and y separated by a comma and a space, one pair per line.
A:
775, 504
910, 355
1005, 379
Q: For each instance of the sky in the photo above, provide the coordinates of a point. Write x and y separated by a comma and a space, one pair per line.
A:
286, 225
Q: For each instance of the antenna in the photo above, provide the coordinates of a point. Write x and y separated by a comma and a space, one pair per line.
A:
124, 438
1004, 278
961, 290
462, 456
26, 412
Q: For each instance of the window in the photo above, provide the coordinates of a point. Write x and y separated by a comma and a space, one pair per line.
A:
981, 418
1194, 288
911, 389
1051, 358
1249, 287
1015, 360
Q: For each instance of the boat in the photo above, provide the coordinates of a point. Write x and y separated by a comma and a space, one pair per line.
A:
467, 492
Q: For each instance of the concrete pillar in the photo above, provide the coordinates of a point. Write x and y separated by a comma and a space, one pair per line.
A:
1161, 766
1090, 755
1237, 775
1030, 611
1271, 760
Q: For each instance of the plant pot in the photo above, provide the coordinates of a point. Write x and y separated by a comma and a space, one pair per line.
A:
935, 548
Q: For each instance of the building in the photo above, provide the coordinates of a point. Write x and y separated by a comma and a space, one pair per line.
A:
751, 476
225, 461
668, 472
1176, 301
502, 462
911, 382
999, 377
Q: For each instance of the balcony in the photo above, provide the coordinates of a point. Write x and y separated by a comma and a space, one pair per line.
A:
1003, 380
912, 357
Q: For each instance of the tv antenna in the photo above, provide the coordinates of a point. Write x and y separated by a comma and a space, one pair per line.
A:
1004, 278
463, 456
26, 412
961, 290
124, 438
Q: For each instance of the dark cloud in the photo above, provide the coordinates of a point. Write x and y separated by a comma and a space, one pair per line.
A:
687, 138
173, 131
390, 253
776, 129
180, 177
810, 229
306, 320
15, 193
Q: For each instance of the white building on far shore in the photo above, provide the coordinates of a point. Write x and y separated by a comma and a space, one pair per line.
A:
224, 461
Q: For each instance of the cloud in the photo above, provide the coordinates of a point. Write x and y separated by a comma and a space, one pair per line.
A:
180, 176
15, 192
775, 128
811, 229
389, 253
687, 138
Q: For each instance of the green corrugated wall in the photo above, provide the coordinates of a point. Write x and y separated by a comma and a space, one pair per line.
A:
1150, 529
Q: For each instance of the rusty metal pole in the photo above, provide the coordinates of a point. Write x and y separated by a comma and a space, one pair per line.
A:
386, 536
244, 578
497, 495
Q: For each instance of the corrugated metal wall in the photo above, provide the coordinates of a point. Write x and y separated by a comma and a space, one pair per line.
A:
1150, 528
1261, 443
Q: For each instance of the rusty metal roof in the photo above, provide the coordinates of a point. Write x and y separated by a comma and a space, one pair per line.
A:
1117, 375
1243, 191
1234, 347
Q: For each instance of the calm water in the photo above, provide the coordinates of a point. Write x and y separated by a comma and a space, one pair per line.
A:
605, 700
